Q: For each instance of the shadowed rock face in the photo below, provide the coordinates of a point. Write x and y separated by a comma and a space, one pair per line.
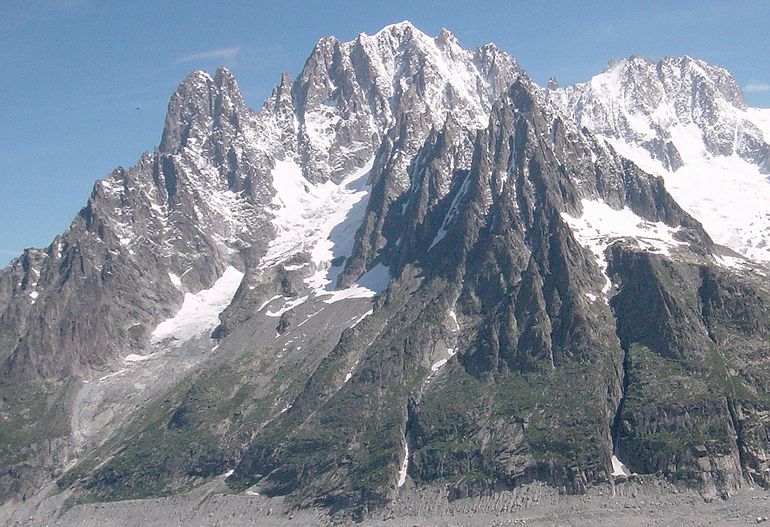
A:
523, 336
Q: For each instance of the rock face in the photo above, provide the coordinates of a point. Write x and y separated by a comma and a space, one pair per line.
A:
544, 306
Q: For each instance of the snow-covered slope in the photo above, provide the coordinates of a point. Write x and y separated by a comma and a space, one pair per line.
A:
599, 225
687, 121
199, 313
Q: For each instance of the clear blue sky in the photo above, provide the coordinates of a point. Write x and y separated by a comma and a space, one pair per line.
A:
75, 71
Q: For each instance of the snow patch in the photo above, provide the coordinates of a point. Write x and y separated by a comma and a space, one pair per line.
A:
372, 283
618, 468
404, 465
315, 217
133, 357
200, 311
359, 319
349, 375
311, 315
113, 374
291, 304
453, 318
451, 213
600, 225
322, 220
295, 267
266, 302
175, 280
437, 365
731, 261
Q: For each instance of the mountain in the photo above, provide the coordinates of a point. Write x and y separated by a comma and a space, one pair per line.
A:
687, 121
411, 268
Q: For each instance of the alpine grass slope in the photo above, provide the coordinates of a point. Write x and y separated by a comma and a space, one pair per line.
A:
412, 265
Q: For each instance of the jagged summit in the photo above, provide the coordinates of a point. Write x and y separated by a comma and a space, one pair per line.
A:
687, 121
365, 86
667, 93
403, 29
199, 103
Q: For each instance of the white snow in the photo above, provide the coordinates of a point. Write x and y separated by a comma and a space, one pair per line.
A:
199, 313
113, 374
453, 317
600, 225
311, 315
371, 283
359, 319
453, 79
404, 465
132, 357
730, 261
295, 267
321, 219
437, 365
320, 126
618, 468
266, 302
349, 375
310, 217
629, 104
33, 295
175, 280
288, 305
761, 118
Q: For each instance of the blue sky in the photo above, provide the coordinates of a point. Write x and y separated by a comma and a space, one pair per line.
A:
75, 71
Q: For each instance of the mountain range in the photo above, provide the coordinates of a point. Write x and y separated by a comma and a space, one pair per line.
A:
413, 266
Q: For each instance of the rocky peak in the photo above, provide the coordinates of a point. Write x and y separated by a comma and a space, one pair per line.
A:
446, 39
651, 104
281, 98
400, 31
553, 84
200, 104
229, 99
682, 88
714, 80
397, 79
